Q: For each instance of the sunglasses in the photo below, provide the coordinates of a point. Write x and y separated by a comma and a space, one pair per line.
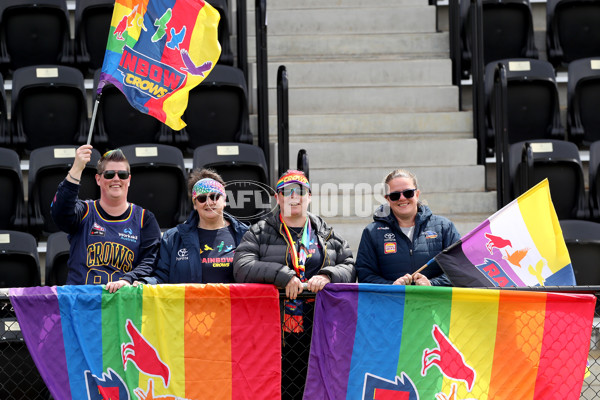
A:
299, 190
110, 173
213, 196
395, 196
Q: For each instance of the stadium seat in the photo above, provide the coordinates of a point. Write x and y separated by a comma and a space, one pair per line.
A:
217, 110
532, 99
92, 25
48, 166
594, 181
57, 255
120, 124
49, 107
158, 181
12, 206
583, 101
572, 30
5, 140
507, 31
224, 31
19, 262
34, 32
244, 169
558, 160
583, 242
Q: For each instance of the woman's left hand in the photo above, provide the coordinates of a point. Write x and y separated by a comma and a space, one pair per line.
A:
420, 280
114, 286
317, 283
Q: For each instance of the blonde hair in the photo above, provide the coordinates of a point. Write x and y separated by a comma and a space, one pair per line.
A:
400, 173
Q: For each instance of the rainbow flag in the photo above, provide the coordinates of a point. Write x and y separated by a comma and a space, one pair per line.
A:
391, 342
157, 51
520, 245
154, 342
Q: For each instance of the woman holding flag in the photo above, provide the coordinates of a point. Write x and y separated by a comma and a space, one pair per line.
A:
289, 248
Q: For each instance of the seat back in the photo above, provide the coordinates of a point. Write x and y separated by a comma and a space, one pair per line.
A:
594, 181
557, 160
583, 101
48, 166
158, 181
224, 31
244, 169
11, 186
19, 261
34, 32
92, 24
57, 256
49, 107
5, 140
217, 110
583, 242
572, 30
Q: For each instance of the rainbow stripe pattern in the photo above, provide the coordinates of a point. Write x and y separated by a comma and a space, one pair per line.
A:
415, 342
157, 51
520, 245
166, 341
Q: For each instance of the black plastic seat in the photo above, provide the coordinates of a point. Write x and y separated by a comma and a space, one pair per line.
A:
92, 25
49, 107
57, 256
572, 30
224, 31
12, 206
158, 181
19, 261
583, 101
217, 110
5, 139
594, 181
34, 32
583, 242
48, 166
243, 167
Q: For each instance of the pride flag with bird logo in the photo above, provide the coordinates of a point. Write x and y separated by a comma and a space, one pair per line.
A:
170, 342
157, 51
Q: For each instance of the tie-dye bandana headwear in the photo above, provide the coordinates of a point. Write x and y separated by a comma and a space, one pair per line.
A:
207, 185
292, 177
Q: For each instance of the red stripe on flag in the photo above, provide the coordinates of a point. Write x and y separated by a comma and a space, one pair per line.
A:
387, 394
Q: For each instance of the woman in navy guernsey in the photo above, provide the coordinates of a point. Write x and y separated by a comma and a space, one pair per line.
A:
113, 242
201, 249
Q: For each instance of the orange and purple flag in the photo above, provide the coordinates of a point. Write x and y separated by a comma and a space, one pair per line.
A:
157, 51
154, 342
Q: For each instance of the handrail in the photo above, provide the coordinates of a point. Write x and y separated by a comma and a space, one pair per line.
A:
283, 129
500, 135
302, 163
242, 37
262, 87
455, 51
477, 71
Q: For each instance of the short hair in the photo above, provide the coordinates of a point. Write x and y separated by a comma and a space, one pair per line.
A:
401, 173
201, 173
115, 155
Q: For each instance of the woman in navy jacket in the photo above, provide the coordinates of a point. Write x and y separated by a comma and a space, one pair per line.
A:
403, 236
201, 249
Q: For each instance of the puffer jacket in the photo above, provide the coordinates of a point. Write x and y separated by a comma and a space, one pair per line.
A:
262, 256
385, 253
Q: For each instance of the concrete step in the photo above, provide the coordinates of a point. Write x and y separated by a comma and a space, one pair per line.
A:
349, 100
303, 127
324, 4
429, 72
348, 47
387, 154
365, 20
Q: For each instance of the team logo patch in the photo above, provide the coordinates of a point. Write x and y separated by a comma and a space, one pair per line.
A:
383, 228
389, 247
430, 235
389, 237
97, 230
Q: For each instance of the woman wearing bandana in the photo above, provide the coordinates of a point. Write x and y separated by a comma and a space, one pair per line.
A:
288, 248
201, 249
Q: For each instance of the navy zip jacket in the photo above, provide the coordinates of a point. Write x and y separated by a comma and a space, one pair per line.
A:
179, 257
385, 253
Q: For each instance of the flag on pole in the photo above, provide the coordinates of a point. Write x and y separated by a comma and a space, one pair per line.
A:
520, 245
415, 342
157, 51
154, 342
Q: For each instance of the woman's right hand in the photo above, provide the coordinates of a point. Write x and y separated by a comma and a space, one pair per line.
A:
293, 288
83, 155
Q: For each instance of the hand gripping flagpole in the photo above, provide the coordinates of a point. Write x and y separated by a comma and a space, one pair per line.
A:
93, 121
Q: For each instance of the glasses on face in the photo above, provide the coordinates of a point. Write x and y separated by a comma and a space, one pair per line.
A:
299, 190
110, 173
213, 196
395, 196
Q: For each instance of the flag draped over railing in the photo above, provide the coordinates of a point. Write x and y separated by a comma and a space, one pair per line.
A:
157, 51
414, 342
520, 245
154, 342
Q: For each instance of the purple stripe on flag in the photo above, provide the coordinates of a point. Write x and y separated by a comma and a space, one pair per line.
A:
43, 335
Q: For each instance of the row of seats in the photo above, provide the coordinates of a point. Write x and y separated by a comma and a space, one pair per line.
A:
572, 31
37, 32
533, 110
156, 170
49, 106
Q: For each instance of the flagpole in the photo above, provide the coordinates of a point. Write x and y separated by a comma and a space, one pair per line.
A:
92, 122
421, 269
